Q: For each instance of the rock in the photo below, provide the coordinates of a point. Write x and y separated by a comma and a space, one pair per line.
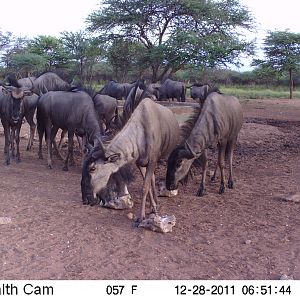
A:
159, 223
130, 216
291, 197
5, 220
210, 173
248, 242
163, 192
122, 202
286, 277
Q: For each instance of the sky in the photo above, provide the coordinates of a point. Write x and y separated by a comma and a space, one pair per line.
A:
50, 17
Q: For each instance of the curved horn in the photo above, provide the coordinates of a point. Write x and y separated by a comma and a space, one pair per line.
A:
98, 141
188, 147
31, 83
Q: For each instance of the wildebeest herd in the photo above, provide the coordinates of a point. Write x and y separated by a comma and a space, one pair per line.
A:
112, 142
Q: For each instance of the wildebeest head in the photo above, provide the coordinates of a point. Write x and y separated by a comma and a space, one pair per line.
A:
102, 178
15, 97
179, 164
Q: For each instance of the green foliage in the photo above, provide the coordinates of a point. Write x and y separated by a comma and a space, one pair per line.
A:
282, 52
5, 39
50, 48
258, 92
28, 63
125, 57
83, 50
176, 32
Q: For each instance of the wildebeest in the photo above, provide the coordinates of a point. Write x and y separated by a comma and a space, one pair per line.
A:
72, 111
171, 89
136, 95
200, 91
49, 81
11, 98
219, 122
107, 110
151, 133
116, 90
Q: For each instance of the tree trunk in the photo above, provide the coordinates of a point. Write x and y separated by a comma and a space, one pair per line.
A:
291, 83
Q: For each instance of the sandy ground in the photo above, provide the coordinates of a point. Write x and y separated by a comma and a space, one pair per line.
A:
247, 233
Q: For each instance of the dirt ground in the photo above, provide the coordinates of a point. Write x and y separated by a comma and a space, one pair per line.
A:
247, 233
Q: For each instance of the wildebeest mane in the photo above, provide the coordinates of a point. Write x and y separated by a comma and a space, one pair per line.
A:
189, 124
82, 88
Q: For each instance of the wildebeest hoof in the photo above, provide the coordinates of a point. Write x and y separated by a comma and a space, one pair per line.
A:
222, 189
136, 222
50, 166
200, 192
230, 184
7, 163
65, 168
18, 160
40, 156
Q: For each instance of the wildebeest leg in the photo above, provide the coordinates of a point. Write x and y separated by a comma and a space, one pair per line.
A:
41, 133
153, 199
213, 178
143, 171
62, 137
146, 190
12, 141
7, 143
102, 127
57, 151
17, 138
29, 119
79, 140
49, 143
70, 149
201, 190
229, 150
221, 162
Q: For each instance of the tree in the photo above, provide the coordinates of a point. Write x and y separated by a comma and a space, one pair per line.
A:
282, 54
176, 32
125, 56
5, 39
50, 48
82, 49
25, 64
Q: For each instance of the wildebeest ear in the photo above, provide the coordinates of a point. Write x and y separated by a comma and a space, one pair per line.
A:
5, 91
114, 157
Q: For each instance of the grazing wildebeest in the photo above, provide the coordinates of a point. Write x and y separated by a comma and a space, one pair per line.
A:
72, 111
107, 110
11, 98
116, 90
219, 122
151, 133
171, 89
